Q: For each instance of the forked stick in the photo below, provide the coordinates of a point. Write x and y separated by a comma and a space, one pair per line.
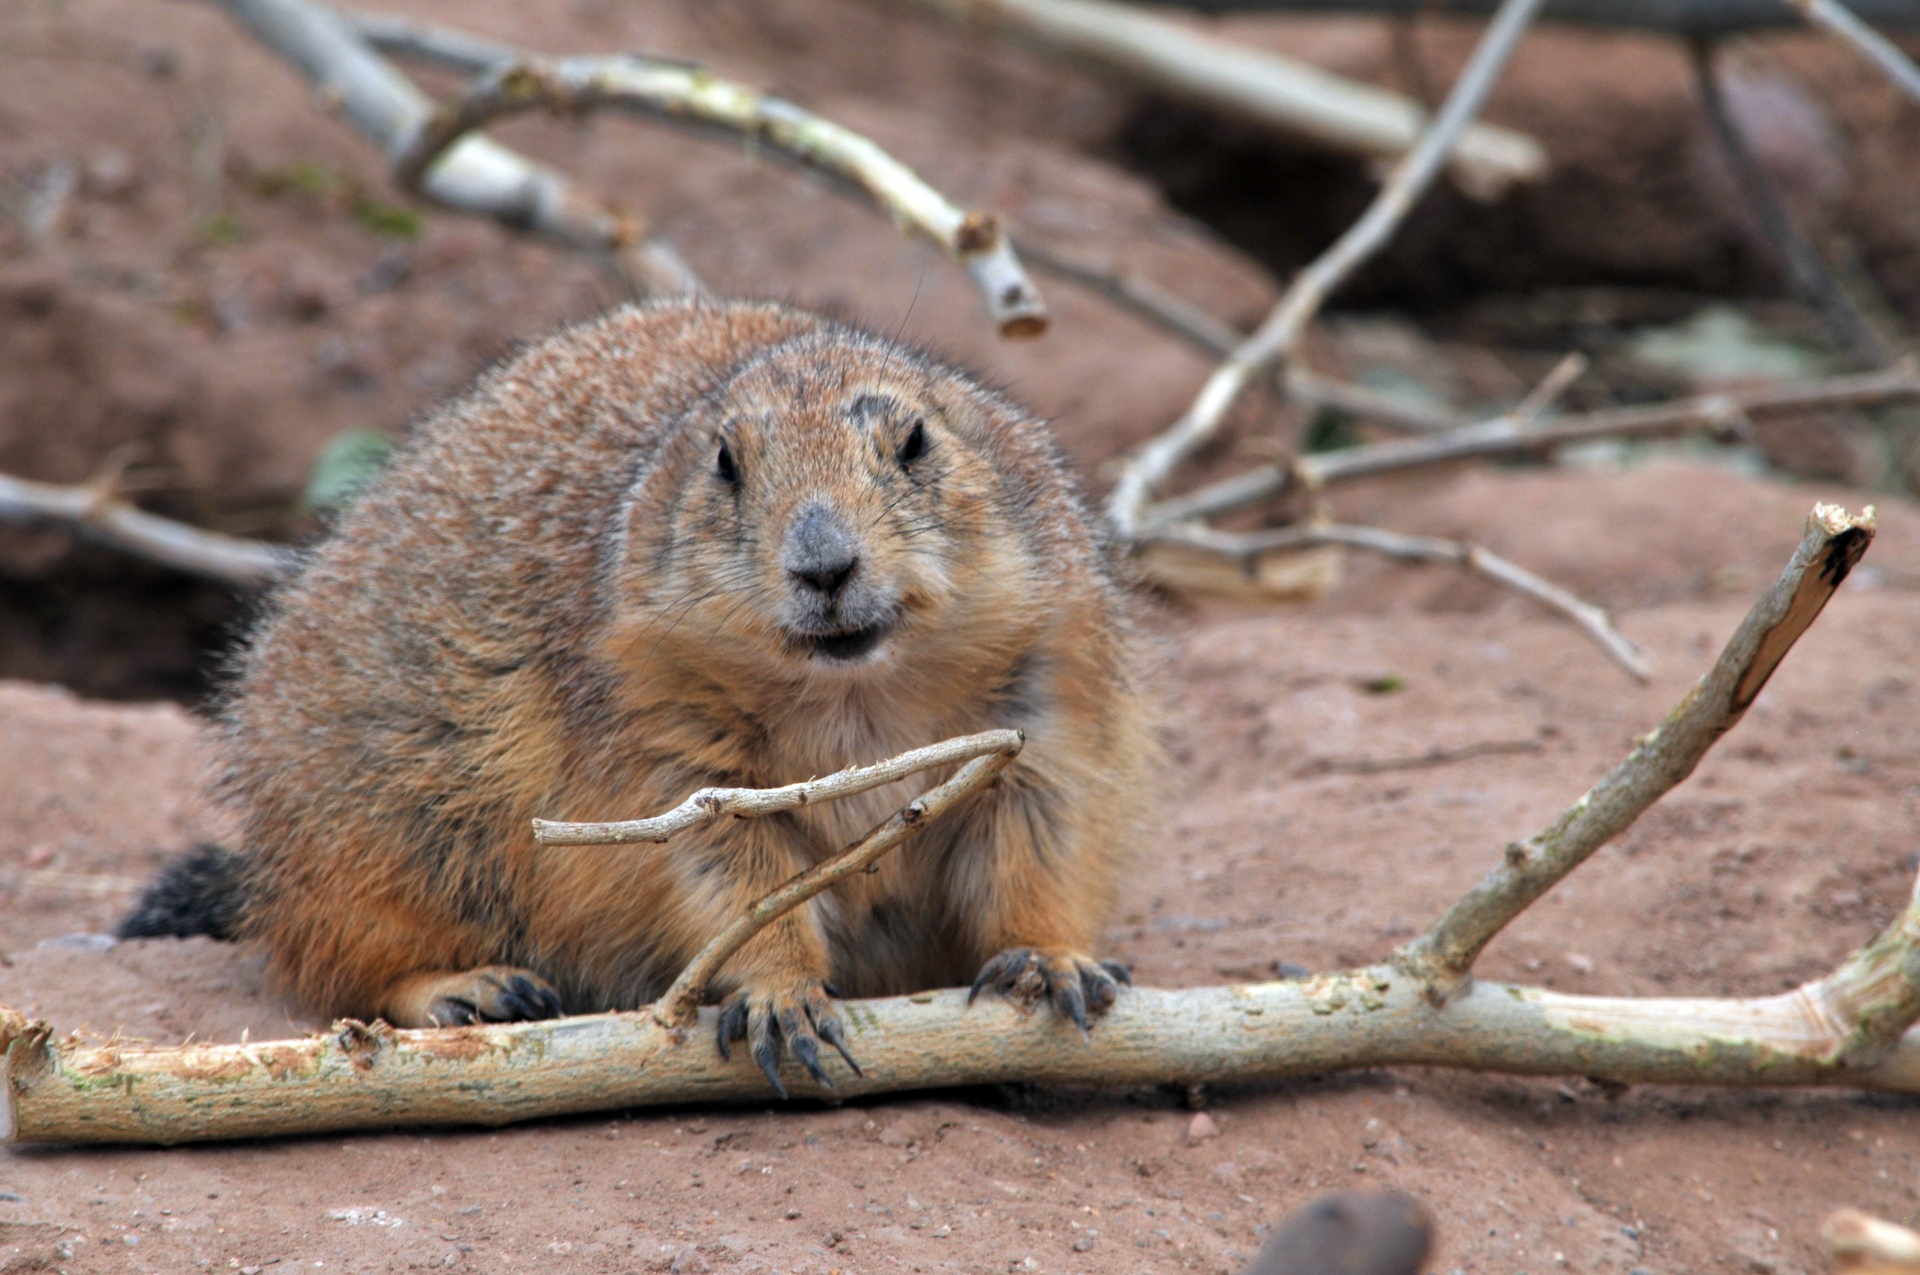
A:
1273, 342
677, 92
1833, 543
748, 803
1250, 546
1853, 1027
681, 1002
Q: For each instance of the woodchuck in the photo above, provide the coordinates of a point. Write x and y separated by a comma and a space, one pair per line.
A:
682, 545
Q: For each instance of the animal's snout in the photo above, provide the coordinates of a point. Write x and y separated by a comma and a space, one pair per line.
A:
821, 553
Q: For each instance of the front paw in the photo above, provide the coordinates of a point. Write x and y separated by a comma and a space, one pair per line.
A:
797, 1016
1074, 983
489, 994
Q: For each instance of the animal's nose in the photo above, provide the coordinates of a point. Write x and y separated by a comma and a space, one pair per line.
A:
820, 552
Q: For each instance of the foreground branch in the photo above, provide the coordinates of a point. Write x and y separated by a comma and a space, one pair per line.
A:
477, 176
1273, 341
1254, 85
95, 513
676, 92
1853, 1027
1833, 543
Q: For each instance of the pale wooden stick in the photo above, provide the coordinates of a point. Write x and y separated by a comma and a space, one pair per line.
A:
1833, 543
1255, 85
1371, 1017
478, 175
93, 512
1248, 547
676, 92
1858, 1239
1838, 20
710, 804
1500, 439
680, 1004
1273, 341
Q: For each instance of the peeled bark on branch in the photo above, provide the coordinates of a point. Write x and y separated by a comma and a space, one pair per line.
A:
678, 92
1853, 1027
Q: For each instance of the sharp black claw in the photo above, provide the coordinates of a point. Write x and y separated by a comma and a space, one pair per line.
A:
808, 1053
1072, 1004
836, 1035
731, 1026
980, 980
1121, 974
767, 1053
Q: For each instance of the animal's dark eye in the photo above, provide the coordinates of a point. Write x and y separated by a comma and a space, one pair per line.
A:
724, 468
915, 445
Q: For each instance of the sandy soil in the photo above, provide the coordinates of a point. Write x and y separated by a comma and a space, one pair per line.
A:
1792, 843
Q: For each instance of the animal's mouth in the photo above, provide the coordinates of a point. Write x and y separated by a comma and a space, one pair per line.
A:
847, 644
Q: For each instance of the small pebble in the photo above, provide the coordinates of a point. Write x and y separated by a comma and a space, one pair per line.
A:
1202, 1127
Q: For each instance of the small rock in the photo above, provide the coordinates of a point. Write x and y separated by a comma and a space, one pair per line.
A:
1085, 1243
1201, 1127
941, 1232
1580, 964
80, 942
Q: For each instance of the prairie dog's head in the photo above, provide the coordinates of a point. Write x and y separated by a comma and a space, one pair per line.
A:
836, 508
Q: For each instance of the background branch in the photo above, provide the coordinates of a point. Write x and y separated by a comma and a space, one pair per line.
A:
1675, 17
676, 92
93, 512
1842, 23
1274, 340
1254, 85
478, 175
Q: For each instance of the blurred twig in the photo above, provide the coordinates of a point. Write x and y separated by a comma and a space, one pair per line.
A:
1840, 21
478, 175
1249, 84
1807, 272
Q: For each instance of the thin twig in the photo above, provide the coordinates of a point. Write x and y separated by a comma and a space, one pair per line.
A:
1558, 380
1255, 85
1213, 335
92, 511
1248, 547
1807, 272
1500, 439
1419, 761
1671, 17
1273, 341
681, 1002
710, 804
677, 92
1833, 543
1838, 20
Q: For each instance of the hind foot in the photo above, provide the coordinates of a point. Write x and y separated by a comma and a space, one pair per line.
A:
489, 994
1075, 985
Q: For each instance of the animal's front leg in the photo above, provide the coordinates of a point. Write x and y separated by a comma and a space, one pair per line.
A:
776, 986
1048, 887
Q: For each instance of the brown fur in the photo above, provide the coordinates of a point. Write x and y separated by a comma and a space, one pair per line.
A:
554, 606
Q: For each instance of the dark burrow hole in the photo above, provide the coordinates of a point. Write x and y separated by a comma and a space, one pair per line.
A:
110, 627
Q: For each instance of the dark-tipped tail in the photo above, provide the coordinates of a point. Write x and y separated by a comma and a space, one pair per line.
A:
201, 892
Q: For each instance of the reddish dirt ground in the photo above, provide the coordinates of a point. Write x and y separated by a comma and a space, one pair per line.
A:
1792, 843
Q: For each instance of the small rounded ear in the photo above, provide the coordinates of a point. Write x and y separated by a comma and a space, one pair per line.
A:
650, 514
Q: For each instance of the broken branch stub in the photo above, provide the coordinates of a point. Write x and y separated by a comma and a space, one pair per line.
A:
1854, 1027
1833, 543
676, 92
